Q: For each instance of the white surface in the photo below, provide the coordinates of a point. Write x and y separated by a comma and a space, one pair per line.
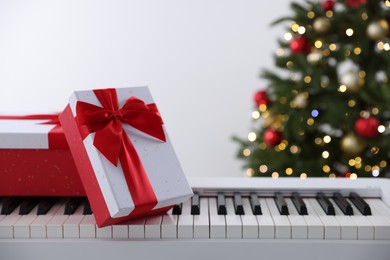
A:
200, 58
158, 158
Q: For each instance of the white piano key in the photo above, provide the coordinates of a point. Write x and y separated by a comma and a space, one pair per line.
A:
71, 226
379, 219
332, 229
314, 223
137, 228
364, 226
6, 224
299, 228
120, 230
250, 227
104, 232
88, 227
153, 226
169, 225
349, 228
54, 227
266, 223
22, 226
233, 221
201, 221
185, 224
282, 223
217, 222
38, 227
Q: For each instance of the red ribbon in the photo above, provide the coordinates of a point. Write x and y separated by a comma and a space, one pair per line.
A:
113, 142
56, 135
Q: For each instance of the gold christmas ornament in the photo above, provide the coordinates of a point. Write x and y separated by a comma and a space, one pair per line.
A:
352, 81
378, 30
300, 101
352, 145
314, 57
321, 25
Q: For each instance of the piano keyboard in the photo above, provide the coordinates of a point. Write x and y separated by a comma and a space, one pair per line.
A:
230, 210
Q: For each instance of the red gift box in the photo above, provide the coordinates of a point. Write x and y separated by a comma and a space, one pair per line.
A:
35, 159
123, 154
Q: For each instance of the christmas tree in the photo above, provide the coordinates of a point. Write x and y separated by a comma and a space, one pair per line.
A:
326, 109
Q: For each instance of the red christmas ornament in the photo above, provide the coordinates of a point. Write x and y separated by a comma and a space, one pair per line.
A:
354, 3
272, 137
367, 127
328, 5
300, 45
261, 98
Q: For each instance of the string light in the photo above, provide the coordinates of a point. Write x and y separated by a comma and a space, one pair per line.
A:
263, 107
289, 171
349, 32
288, 36
311, 15
332, 176
294, 27
307, 79
326, 168
314, 113
318, 44
301, 30
252, 136
255, 114
383, 164
310, 121
332, 46
353, 176
357, 51
342, 88
263, 168
329, 13
303, 176
327, 139
325, 154
275, 175
381, 129
365, 16
246, 152
250, 172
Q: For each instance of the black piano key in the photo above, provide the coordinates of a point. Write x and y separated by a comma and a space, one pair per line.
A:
325, 203
71, 205
360, 204
221, 204
343, 204
177, 209
281, 204
87, 208
10, 204
195, 204
238, 205
255, 204
299, 203
45, 204
27, 205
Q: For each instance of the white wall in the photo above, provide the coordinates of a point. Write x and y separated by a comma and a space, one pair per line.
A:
200, 58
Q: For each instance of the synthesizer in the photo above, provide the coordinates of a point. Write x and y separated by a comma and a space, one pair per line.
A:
227, 218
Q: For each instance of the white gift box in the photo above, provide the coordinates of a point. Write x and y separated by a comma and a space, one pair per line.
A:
105, 183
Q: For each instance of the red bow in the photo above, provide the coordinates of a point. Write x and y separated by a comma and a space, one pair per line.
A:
112, 141
107, 122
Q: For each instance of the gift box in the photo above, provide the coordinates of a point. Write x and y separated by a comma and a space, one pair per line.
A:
35, 159
123, 154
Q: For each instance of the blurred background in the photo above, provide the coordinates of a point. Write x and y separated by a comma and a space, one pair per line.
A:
201, 60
